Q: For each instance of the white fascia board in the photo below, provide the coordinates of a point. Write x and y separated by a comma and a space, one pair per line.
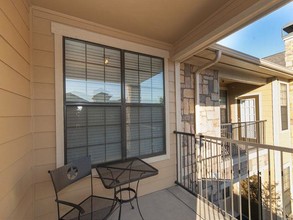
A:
285, 72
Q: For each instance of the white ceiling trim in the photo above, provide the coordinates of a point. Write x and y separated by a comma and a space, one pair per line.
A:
73, 32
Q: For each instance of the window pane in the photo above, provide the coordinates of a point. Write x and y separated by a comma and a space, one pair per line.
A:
97, 153
94, 131
113, 151
132, 86
133, 148
74, 50
144, 63
131, 61
284, 106
113, 85
144, 79
92, 72
145, 146
113, 57
157, 65
75, 153
284, 117
145, 134
95, 54
96, 135
158, 145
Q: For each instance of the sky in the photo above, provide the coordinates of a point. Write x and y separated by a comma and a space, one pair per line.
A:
263, 37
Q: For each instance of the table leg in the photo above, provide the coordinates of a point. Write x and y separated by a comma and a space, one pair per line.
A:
137, 200
130, 197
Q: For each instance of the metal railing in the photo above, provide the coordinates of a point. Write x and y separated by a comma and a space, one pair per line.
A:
251, 131
255, 183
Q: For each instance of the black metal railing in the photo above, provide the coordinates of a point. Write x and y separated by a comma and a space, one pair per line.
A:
186, 177
251, 131
253, 182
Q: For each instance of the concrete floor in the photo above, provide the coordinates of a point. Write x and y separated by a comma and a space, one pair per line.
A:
169, 204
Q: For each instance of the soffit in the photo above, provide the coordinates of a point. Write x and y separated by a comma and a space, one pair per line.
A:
184, 27
162, 20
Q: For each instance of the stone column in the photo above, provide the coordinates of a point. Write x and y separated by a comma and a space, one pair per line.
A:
207, 103
207, 110
289, 50
187, 97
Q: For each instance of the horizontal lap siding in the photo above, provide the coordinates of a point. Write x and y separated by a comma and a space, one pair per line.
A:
16, 155
44, 118
265, 99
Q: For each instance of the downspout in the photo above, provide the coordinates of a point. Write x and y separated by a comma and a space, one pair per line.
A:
196, 78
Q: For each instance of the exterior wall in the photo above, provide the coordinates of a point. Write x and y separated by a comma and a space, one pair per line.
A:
44, 117
207, 111
289, 51
16, 194
236, 90
187, 97
207, 105
291, 109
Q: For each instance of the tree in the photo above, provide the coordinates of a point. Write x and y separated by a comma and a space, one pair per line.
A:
269, 198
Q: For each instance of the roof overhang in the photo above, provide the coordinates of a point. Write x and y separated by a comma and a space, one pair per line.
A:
183, 27
238, 63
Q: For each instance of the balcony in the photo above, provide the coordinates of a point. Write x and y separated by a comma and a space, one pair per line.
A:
253, 182
252, 131
171, 203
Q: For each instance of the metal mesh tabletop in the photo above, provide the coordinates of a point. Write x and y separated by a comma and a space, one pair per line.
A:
118, 174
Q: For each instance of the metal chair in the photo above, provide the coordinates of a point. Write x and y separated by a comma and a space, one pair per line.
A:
91, 208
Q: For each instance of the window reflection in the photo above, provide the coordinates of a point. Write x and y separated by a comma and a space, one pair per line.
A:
143, 79
88, 77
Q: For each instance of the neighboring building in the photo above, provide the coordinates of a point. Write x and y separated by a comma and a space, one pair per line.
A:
254, 106
278, 58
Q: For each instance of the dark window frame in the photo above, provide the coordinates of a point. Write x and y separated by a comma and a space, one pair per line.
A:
123, 104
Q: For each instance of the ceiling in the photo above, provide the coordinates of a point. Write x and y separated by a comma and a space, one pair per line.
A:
161, 20
183, 27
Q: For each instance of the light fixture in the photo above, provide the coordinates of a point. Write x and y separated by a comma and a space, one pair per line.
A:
106, 60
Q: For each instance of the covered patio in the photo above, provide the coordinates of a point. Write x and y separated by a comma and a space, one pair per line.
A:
137, 48
172, 203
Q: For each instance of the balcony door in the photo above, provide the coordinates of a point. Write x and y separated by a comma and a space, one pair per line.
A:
248, 114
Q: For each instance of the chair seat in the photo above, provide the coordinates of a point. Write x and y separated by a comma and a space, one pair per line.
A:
95, 207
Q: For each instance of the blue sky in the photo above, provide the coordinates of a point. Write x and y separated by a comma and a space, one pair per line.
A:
263, 37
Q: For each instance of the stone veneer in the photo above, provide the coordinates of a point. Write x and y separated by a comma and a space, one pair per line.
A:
208, 103
208, 108
187, 97
289, 51
288, 40
207, 112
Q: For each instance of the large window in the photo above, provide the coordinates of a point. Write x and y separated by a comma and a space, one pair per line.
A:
284, 106
114, 103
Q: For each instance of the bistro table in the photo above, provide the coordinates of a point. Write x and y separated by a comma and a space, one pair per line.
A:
119, 175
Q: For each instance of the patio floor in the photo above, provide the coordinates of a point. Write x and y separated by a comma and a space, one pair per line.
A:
171, 204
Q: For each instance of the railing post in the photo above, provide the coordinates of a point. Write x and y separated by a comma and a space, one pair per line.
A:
177, 164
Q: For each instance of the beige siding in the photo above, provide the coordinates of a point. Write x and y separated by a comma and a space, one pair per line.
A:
44, 117
16, 143
236, 90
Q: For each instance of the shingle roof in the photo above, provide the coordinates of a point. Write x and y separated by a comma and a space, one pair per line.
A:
278, 58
